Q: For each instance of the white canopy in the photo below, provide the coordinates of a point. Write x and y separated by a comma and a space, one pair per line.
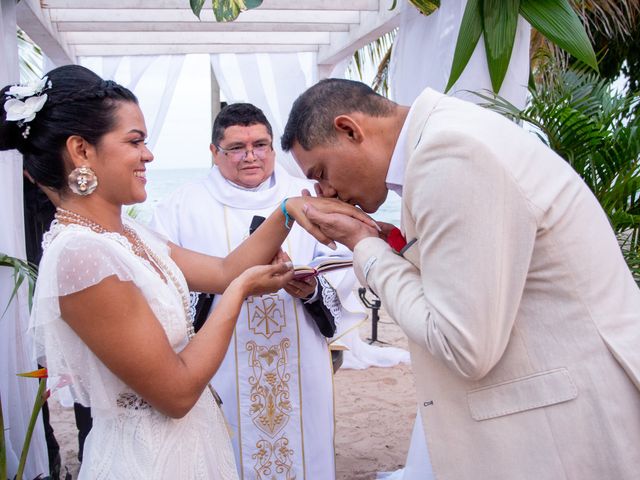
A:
334, 29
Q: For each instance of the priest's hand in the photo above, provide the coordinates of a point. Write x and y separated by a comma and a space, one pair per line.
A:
263, 279
342, 228
297, 288
326, 208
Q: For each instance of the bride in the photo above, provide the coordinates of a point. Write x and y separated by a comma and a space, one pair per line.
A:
111, 308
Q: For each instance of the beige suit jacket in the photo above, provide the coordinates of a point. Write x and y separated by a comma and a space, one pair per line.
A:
522, 317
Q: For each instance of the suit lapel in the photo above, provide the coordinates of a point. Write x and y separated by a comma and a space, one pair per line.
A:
420, 113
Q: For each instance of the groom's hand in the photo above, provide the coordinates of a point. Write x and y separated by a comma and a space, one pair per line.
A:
341, 228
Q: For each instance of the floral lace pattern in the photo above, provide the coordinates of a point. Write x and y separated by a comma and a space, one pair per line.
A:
330, 299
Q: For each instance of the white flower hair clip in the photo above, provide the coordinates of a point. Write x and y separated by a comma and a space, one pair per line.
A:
26, 101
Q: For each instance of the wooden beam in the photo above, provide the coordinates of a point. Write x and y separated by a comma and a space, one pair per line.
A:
198, 27
185, 15
354, 5
35, 23
90, 50
372, 26
207, 38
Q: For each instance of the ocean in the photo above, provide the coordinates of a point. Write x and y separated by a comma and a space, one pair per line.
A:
161, 182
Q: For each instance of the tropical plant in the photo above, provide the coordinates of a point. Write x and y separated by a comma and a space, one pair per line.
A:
41, 398
377, 53
596, 129
22, 270
225, 10
497, 21
31, 58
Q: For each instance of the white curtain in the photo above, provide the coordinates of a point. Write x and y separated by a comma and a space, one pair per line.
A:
272, 82
18, 394
423, 53
152, 79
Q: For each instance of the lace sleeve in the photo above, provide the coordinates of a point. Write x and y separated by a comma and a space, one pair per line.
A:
75, 259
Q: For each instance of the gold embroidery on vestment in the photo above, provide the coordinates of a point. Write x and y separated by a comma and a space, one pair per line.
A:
266, 314
270, 398
273, 460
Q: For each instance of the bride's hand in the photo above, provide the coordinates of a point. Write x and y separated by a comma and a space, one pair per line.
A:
296, 208
263, 279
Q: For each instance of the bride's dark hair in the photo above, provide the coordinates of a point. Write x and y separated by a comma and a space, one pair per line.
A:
79, 103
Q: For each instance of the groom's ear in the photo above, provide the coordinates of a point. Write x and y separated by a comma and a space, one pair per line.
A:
348, 126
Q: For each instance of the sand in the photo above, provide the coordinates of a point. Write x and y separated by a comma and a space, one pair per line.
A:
375, 412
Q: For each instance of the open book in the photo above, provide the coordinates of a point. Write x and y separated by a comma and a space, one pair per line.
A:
305, 271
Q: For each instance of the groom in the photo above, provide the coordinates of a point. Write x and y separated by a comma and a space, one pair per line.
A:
522, 317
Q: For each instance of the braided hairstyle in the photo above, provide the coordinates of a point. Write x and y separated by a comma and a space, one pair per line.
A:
79, 103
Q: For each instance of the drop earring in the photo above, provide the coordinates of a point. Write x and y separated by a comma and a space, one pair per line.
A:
82, 181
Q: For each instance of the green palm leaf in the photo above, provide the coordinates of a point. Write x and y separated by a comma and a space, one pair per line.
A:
500, 21
22, 270
470, 31
557, 21
597, 130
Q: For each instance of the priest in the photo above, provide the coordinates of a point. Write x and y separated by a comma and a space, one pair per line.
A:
276, 379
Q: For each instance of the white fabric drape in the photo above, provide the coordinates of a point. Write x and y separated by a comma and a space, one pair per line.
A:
423, 53
152, 79
18, 394
272, 82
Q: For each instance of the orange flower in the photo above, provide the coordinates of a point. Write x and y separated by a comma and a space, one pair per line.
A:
40, 373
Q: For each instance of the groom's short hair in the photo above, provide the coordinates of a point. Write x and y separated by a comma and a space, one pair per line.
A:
243, 114
311, 119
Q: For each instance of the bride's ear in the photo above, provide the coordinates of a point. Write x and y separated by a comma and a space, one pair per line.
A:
78, 150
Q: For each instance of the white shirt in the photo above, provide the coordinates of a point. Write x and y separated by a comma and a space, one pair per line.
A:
397, 165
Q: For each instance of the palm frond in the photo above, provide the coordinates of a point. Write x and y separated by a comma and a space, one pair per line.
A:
597, 130
22, 270
31, 58
375, 56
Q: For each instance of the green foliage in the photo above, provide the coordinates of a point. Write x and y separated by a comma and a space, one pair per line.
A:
22, 270
614, 29
472, 27
196, 6
597, 130
30, 56
41, 398
500, 21
225, 10
497, 20
426, 7
378, 53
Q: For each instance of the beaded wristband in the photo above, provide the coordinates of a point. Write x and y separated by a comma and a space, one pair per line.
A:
287, 218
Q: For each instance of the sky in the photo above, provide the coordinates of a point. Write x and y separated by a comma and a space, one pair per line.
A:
186, 133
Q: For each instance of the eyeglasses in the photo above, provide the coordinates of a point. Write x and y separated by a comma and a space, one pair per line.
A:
259, 150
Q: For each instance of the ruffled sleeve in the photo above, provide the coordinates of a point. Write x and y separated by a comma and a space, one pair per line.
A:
75, 259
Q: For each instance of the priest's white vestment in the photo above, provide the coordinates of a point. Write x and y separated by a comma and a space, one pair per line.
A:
276, 379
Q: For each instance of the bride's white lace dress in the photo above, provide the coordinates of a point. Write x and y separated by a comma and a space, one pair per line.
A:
129, 438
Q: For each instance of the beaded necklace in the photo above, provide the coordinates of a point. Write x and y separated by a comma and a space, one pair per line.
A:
140, 249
